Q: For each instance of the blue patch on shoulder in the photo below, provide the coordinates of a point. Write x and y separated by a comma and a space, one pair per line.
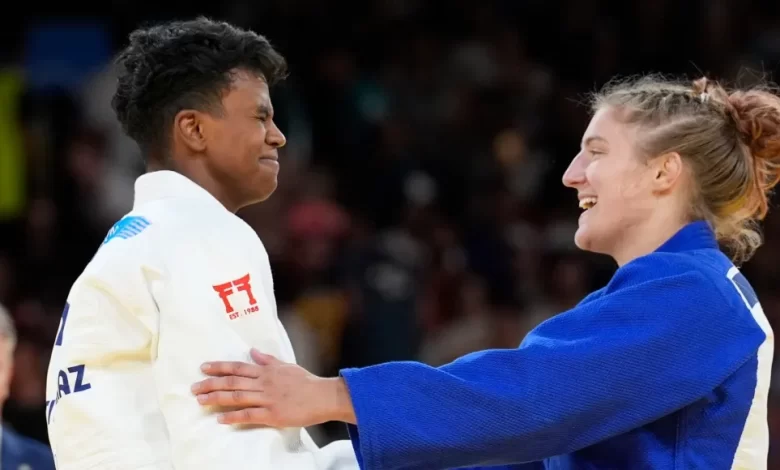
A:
747, 291
126, 228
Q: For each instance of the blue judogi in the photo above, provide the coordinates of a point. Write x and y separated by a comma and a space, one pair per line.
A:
667, 367
18, 452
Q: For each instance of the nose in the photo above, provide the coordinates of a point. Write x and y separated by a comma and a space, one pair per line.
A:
275, 137
575, 175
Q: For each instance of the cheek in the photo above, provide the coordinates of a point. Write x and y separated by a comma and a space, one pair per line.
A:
235, 137
599, 174
622, 192
256, 140
220, 140
249, 142
635, 190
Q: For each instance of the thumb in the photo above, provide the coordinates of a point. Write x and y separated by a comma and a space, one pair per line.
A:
260, 358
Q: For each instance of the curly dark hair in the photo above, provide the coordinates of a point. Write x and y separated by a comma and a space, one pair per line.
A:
184, 65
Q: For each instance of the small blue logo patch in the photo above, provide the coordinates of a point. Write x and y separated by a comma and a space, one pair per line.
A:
126, 228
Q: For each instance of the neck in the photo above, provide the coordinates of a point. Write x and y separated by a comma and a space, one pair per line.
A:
646, 238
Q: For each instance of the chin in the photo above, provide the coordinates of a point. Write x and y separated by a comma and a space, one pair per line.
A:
587, 240
597, 243
253, 196
267, 192
582, 239
263, 187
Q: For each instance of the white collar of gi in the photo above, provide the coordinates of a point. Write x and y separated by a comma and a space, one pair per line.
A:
166, 184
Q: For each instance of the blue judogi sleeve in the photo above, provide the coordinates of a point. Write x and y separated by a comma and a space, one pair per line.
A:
656, 339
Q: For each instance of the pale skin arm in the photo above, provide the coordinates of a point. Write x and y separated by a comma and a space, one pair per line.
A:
273, 393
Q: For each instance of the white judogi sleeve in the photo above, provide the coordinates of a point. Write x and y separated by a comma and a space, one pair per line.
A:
102, 410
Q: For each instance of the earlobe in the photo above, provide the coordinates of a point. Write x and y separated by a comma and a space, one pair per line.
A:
188, 126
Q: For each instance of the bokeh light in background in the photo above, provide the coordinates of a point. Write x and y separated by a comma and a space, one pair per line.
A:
420, 213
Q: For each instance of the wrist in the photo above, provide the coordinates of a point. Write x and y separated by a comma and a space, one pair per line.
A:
340, 403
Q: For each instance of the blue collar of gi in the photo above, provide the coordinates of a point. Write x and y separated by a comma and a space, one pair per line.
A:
694, 236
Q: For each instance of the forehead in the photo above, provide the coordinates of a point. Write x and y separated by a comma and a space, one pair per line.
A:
605, 125
248, 91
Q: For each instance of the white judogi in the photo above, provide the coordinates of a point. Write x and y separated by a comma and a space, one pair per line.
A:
179, 281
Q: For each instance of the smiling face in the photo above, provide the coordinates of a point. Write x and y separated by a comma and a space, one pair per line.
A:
615, 185
659, 154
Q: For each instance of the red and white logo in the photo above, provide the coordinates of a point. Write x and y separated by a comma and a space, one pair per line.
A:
226, 290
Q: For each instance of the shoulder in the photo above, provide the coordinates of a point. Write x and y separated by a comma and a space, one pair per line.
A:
702, 282
169, 227
132, 245
169, 218
658, 281
25, 448
702, 268
197, 235
126, 241
711, 268
127, 245
191, 221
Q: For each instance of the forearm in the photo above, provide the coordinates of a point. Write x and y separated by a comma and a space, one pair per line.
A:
410, 415
576, 381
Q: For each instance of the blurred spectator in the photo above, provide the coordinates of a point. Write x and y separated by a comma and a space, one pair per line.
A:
19, 451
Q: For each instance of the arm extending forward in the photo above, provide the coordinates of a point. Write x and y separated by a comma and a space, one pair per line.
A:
618, 361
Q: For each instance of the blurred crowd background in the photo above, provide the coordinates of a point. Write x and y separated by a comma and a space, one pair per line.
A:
420, 213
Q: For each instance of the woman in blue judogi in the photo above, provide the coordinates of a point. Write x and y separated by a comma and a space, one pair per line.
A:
667, 367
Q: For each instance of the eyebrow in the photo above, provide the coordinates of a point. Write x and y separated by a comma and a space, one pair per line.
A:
265, 109
594, 138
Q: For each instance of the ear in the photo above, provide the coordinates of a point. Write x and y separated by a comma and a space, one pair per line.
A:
667, 171
188, 129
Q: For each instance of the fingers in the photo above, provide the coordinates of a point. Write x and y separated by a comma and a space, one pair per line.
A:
230, 383
240, 398
223, 368
247, 416
261, 358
